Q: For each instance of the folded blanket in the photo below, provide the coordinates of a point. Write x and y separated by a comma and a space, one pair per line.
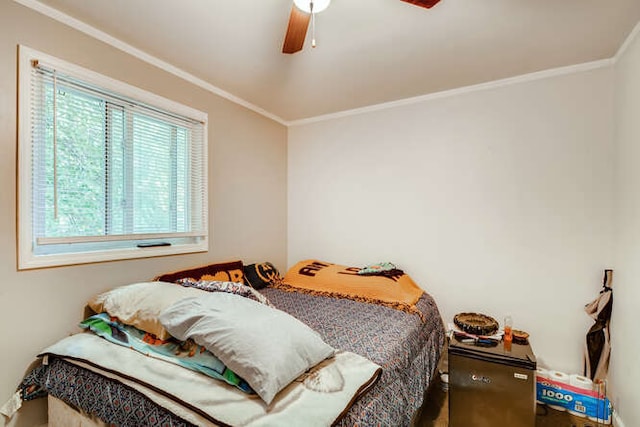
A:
381, 268
318, 398
326, 279
184, 353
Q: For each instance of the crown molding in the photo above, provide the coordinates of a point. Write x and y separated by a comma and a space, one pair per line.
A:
140, 54
539, 75
627, 42
85, 28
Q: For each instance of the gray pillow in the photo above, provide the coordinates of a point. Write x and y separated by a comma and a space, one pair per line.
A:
267, 347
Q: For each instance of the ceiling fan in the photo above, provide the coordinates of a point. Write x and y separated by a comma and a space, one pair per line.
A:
302, 12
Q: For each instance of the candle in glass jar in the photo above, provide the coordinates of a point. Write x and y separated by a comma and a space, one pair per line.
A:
508, 332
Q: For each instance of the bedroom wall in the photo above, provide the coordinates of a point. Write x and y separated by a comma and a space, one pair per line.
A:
247, 169
625, 371
495, 200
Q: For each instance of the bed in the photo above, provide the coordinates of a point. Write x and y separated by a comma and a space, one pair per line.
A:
406, 345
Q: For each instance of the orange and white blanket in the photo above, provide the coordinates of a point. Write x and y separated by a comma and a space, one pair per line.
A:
326, 279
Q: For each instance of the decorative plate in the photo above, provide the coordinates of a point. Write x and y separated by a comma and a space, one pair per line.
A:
476, 323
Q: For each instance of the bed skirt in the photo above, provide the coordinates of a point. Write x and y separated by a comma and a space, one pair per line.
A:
63, 415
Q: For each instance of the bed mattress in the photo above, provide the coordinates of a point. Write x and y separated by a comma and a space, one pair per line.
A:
407, 347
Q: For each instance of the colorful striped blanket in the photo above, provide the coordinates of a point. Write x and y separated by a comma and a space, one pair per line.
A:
186, 354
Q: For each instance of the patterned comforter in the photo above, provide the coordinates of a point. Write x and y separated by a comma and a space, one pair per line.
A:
407, 348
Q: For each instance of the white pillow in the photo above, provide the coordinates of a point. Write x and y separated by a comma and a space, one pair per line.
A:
140, 304
267, 347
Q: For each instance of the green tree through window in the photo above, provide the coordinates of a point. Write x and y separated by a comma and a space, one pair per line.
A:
105, 181
107, 171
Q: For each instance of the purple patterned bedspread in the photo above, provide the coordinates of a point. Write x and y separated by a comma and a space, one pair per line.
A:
407, 349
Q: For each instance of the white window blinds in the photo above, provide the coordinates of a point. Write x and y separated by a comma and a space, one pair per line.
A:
114, 172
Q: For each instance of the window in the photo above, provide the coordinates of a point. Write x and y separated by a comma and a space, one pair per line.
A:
106, 171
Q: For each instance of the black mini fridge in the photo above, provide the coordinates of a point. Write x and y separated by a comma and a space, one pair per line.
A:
491, 386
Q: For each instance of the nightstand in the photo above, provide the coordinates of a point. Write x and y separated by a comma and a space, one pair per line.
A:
490, 386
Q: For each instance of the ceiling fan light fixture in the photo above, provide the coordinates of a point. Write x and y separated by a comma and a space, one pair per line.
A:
318, 5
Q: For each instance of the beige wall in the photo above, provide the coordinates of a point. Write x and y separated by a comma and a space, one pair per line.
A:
495, 201
625, 369
247, 168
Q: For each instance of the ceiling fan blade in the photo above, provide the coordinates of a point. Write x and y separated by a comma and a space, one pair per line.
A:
423, 3
296, 31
